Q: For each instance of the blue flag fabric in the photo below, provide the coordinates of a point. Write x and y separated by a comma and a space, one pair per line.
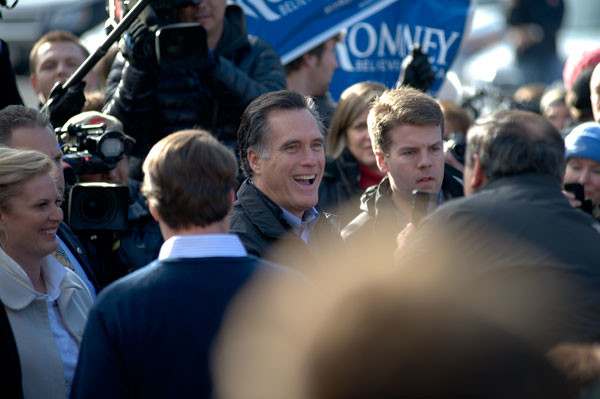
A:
379, 33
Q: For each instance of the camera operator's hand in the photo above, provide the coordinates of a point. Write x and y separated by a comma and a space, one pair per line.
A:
63, 104
137, 45
416, 71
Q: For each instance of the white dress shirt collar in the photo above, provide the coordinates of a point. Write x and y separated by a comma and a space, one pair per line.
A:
202, 246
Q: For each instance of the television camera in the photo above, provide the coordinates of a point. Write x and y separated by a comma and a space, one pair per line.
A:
92, 149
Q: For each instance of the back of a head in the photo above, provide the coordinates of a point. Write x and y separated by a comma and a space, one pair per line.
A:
353, 102
457, 115
253, 132
380, 343
514, 142
552, 96
528, 97
402, 106
579, 97
188, 179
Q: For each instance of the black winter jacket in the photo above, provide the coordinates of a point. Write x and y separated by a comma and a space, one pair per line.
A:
154, 102
379, 212
259, 223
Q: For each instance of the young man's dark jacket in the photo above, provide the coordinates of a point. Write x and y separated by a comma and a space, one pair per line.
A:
379, 212
154, 102
259, 223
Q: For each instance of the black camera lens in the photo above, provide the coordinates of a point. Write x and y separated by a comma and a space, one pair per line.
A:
457, 145
98, 206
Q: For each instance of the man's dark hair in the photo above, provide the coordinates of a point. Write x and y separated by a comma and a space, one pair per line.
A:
384, 344
578, 99
513, 142
296, 63
188, 179
254, 130
18, 116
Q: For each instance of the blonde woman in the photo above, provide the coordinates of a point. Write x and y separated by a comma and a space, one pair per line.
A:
46, 303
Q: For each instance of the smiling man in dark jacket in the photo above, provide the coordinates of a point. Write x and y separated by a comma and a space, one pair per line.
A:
152, 101
281, 152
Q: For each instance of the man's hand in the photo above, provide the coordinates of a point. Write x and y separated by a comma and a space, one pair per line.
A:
63, 104
416, 71
137, 45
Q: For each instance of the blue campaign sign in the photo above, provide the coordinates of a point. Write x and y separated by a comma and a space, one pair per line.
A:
379, 33
293, 27
373, 48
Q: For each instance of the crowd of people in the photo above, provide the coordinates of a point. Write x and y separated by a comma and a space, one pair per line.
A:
280, 244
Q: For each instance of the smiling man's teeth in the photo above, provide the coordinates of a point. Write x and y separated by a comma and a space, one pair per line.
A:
305, 177
49, 232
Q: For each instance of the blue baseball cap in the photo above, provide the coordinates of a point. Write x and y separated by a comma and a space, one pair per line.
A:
584, 142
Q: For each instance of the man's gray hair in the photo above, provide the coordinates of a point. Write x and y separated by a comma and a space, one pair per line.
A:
14, 117
513, 142
254, 131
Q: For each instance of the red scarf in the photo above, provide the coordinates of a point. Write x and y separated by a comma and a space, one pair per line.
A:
368, 177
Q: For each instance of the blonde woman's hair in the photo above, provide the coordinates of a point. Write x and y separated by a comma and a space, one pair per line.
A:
353, 102
16, 167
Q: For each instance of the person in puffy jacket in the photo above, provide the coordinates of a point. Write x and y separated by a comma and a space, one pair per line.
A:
153, 101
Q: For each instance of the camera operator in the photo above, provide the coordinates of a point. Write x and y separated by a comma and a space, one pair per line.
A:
154, 100
54, 58
120, 251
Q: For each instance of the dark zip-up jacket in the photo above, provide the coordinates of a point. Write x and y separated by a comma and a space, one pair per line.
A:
154, 102
379, 213
259, 223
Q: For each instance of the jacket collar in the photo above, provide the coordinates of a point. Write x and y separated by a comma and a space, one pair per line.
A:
271, 223
234, 34
529, 179
16, 289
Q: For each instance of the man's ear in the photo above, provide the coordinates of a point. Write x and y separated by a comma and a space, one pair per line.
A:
34, 83
310, 60
478, 178
381, 162
254, 160
154, 212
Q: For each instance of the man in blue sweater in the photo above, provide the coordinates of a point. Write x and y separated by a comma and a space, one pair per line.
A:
150, 333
